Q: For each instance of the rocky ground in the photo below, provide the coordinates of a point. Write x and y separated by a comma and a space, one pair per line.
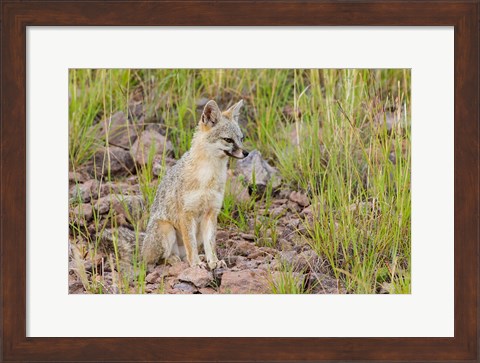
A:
270, 253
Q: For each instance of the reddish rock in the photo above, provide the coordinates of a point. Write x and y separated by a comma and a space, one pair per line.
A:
244, 248
299, 198
207, 291
175, 269
197, 276
245, 282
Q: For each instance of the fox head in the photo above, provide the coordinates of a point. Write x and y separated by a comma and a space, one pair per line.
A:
220, 132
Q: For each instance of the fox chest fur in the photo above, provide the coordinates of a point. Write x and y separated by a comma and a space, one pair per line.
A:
204, 186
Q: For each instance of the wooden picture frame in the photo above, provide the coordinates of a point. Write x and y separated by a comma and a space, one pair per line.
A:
17, 16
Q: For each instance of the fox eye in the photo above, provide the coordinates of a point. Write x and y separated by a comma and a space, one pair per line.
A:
226, 139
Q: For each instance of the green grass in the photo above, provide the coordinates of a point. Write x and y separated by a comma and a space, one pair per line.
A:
324, 131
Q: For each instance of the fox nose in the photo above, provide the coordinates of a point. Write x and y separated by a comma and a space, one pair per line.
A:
245, 153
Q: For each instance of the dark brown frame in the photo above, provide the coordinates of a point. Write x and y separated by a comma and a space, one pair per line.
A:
16, 16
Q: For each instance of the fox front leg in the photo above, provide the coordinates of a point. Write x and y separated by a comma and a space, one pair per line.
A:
188, 229
208, 228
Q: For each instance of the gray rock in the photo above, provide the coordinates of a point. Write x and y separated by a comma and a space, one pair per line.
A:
82, 213
325, 284
132, 206
125, 240
149, 141
236, 188
84, 192
119, 160
121, 132
185, 288
254, 167
200, 103
248, 236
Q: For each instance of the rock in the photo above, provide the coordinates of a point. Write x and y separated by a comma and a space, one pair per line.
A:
284, 244
156, 275
151, 288
254, 167
82, 213
119, 220
222, 235
84, 192
293, 207
177, 268
75, 177
200, 103
236, 188
248, 236
121, 132
269, 251
149, 142
299, 198
255, 254
185, 288
102, 205
277, 212
307, 261
207, 290
245, 264
158, 168
293, 223
76, 288
244, 248
121, 163
119, 188
197, 276
124, 238
245, 282
287, 257
279, 201
325, 284
131, 206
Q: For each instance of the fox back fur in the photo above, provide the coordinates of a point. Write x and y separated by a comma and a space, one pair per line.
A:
184, 213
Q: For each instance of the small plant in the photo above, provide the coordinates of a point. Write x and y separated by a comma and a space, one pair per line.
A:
287, 280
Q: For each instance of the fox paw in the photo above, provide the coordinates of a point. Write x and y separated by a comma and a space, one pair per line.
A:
217, 264
200, 264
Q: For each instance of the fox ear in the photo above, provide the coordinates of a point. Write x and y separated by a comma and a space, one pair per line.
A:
211, 114
235, 110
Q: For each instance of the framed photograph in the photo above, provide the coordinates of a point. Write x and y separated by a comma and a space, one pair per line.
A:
239, 181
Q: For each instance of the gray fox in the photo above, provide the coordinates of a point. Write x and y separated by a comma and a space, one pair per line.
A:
190, 195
